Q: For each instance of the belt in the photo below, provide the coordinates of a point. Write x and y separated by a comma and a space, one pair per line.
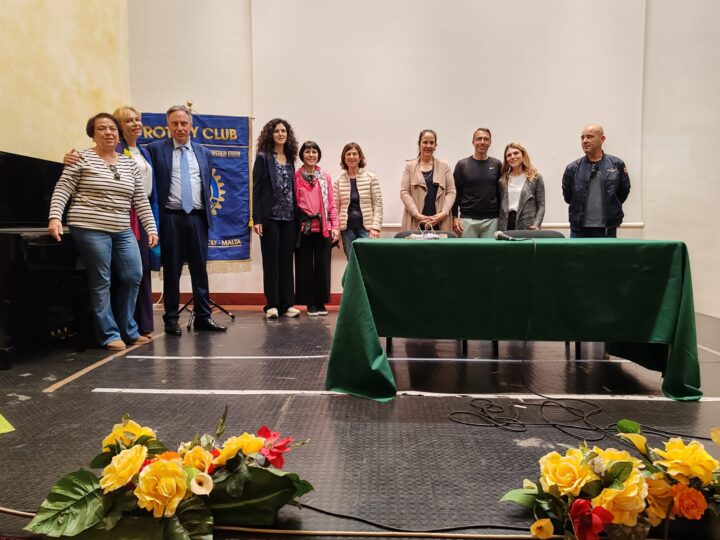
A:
180, 212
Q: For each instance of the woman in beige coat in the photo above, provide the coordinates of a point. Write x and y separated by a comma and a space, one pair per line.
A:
427, 188
358, 198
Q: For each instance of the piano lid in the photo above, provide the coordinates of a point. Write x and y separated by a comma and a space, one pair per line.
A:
26, 186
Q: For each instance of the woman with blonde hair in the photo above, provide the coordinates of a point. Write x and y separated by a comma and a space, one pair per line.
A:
427, 188
522, 191
130, 122
358, 198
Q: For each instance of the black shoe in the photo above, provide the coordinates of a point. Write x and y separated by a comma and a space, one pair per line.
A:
173, 329
209, 325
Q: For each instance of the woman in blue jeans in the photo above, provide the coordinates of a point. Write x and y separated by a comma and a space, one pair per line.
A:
357, 197
102, 187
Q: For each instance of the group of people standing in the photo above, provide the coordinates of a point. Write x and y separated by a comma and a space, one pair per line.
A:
124, 198
303, 212
483, 195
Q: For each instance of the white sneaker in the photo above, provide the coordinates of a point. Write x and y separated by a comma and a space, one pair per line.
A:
271, 313
291, 312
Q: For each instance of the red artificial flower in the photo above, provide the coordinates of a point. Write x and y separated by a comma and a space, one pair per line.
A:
588, 522
274, 449
215, 453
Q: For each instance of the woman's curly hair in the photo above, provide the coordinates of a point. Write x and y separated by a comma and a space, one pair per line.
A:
265, 142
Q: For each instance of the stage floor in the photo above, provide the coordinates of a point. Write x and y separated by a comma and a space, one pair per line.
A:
404, 464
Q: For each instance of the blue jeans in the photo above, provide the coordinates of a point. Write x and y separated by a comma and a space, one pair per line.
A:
349, 236
108, 254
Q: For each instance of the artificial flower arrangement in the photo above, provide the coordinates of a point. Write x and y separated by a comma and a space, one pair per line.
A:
149, 492
589, 491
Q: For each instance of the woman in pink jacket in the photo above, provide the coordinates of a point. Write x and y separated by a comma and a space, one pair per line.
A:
319, 231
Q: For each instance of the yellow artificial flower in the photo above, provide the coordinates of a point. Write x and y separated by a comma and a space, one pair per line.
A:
659, 499
198, 458
567, 472
248, 444
715, 435
529, 484
639, 441
122, 468
688, 502
126, 433
542, 528
612, 454
201, 484
625, 504
161, 487
684, 462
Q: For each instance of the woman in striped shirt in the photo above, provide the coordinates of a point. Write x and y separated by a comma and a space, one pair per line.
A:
102, 188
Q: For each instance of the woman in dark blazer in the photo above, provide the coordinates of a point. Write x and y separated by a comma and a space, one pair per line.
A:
275, 214
522, 191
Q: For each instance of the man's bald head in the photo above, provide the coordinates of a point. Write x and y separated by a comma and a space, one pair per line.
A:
592, 139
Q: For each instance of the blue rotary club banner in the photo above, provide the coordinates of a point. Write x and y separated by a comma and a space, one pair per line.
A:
228, 138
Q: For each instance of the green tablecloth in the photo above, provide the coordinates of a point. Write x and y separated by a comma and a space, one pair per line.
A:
635, 294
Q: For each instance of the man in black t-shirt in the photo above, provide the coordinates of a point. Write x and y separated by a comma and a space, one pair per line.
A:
475, 212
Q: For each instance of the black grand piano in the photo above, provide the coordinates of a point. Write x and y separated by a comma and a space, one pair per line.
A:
43, 287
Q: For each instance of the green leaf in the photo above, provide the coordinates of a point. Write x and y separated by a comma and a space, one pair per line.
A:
207, 442
102, 460
554, 491
119, 503
142, 439
616, 485
592, 489
74, 504
618, 471
220, 429
235, 483
264, 493
628, 426
155, 447
220, 475
521, 496
192, 521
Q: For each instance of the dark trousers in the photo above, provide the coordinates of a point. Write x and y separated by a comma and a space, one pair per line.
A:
277, 244
144, 304
511, 221
312, 270
594, 232
184, 237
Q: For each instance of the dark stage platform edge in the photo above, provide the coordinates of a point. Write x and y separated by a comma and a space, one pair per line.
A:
404, 464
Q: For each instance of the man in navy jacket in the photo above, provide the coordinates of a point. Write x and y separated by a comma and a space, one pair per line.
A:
182, 175
595, 187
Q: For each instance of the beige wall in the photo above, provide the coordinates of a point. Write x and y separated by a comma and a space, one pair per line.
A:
60, 63
681, 129
184, 50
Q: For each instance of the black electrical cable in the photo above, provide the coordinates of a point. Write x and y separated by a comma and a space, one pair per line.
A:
400, 529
